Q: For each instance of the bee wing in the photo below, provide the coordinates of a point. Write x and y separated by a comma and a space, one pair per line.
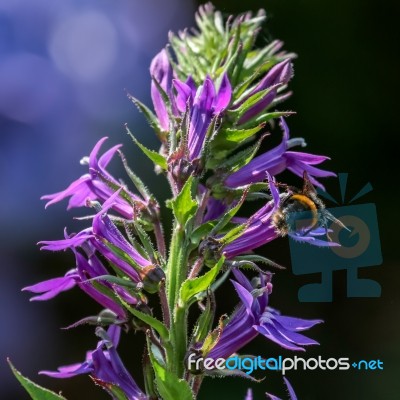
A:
308, 187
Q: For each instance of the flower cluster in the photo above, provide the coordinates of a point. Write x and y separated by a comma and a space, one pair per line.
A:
214, 96
254, 316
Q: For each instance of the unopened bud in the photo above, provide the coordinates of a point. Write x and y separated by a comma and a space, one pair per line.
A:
151, 278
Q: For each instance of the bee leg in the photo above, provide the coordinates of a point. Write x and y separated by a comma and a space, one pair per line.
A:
287, 188
328, 236
245, 264
307, 231
336, 221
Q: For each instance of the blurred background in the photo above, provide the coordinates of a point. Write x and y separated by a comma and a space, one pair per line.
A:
65, 68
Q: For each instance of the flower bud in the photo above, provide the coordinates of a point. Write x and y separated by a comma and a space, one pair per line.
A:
151, 278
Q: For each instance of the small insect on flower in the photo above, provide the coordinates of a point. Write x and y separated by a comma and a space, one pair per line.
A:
302, 212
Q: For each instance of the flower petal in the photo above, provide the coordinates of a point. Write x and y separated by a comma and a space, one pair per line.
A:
184, 92
270, 332
312, 240
292, 394
224, 95
52, 287
296, 324
245, 296
161, 71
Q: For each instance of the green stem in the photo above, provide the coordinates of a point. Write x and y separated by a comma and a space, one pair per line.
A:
174, 266
179, 337
176, 274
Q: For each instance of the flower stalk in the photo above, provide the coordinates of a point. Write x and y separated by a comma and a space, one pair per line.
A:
214, 97
177, 268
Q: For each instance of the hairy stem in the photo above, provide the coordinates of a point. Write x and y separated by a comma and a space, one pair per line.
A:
197, 381
164, 304
196, 268
159, 234
176, 274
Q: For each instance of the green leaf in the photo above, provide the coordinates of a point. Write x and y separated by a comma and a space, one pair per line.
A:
116, 391
233, 234
130, 233
36, 392
211, 131
191, 287
228, 216
241, 158
213, 337
123, 193
201, 232
148, 375
204, 323
251, 101
151, 118
235, 58
258, 57
248, 77
122, 255
140, 186
144, 239
169, 386
157, 158
238, 135
266, 117
228, 139
114, 279
107, 291
183, 205
157, 325
259, 259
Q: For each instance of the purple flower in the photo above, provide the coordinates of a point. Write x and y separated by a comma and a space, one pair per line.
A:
161, 71
113, 246
105, 237
277, 76
93, 186
204, 105
86, 269
278, 160
215, 208
254, 317
311, 237
93, 268
52, 287
258, 232
98, 242
279, 73
105, 365
292, 394
68, 242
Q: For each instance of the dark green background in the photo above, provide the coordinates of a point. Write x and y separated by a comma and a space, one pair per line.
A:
345, 85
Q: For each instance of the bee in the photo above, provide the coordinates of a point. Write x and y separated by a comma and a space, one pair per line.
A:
301, 211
